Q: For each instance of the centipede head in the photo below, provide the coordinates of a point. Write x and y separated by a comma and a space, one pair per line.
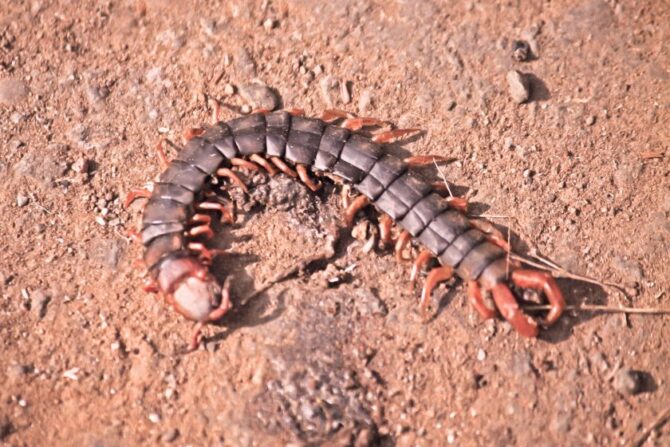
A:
196, 298
190, 288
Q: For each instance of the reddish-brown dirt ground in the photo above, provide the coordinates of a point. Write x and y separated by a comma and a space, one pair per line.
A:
579, 173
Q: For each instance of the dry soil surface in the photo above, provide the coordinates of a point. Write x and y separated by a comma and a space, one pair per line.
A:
338, 355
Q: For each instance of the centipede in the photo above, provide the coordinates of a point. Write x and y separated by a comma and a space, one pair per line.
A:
415, 214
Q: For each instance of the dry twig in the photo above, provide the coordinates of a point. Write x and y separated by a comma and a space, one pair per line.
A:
657, 424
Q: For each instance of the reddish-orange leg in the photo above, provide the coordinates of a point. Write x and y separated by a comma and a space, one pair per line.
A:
193, 132
272, 171
206, 254
541, 281
493, 234
135, 194
421, 260
226, 214
304, 177
458, 203
426, 160
403, 241
391, 136
216, 314
385, 233
510, 310
436, 276
201, 230
331, 115
233, 177
358, 123
246, 164
354, 207
283, 167
161, 154
477, 301
201, 219
150, 286
295, 112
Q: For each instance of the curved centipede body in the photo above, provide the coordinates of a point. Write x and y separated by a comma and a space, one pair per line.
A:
297, 146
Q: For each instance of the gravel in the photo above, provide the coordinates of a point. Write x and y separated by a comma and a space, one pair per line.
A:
260, 96
12, 91
519, 88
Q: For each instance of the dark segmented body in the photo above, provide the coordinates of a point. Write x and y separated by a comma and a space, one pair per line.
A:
385, 179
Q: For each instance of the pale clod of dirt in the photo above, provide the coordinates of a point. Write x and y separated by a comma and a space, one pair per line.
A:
627, 381
519, 88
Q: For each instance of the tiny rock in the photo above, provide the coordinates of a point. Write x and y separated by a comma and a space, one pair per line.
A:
519, 89
170, 435
38, 303
627, 381
259, 96
367, 303
520, 50
269, 24
16, 371
21, 200
154, 417
80, 166
364, 101
229, 90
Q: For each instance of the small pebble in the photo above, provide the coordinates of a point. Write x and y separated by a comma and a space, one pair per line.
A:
627, 381
269, 24
12, 91
15, 371
508, 143
170, 435
245, 109
229, 90
259, 96
590, 120
154, 417
519, 89
520, 50
481, 355
345, 96
78, 132
364, 101
21, 200
38, 303
80, 166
